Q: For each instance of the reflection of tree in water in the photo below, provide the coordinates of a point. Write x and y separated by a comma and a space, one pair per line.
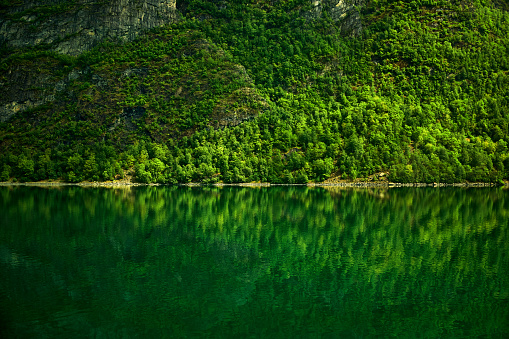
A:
431, 262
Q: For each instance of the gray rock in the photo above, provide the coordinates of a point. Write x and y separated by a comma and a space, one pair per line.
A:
72, 30
346, 12
76, 29
26, 90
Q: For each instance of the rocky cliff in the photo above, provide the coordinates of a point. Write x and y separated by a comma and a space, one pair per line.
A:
346, 12
72, 27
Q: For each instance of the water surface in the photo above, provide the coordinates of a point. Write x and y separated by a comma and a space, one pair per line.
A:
254, 262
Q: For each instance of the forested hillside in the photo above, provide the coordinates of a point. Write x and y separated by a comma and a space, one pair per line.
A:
249, 91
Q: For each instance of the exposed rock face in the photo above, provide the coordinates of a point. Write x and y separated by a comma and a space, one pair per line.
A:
28, 89
344, 11
74, 28
25, 90
70, 28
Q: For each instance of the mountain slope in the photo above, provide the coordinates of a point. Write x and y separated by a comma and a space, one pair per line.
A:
285, 92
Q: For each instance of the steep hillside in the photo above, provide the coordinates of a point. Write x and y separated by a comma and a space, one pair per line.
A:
73, 27
290, 91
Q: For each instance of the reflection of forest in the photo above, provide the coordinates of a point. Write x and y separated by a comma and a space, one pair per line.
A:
230, 261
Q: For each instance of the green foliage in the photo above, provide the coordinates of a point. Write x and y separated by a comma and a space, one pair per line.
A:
259, 93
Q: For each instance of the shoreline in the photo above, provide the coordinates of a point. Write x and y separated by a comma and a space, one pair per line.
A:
360, 184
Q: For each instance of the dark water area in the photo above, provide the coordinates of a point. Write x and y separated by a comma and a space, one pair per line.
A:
272, 262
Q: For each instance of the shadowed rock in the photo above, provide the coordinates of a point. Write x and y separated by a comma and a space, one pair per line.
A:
75, 28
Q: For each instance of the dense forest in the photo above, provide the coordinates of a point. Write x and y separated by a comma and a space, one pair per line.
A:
255, 91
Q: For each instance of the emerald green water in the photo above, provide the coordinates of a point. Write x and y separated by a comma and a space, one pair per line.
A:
175, 262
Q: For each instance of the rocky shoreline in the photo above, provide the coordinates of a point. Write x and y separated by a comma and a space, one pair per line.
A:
360, 184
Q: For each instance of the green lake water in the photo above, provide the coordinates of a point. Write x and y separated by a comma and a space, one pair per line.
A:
272, 262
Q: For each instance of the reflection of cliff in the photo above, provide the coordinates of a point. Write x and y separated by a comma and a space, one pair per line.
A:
305, 220
268, 218
210, 255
